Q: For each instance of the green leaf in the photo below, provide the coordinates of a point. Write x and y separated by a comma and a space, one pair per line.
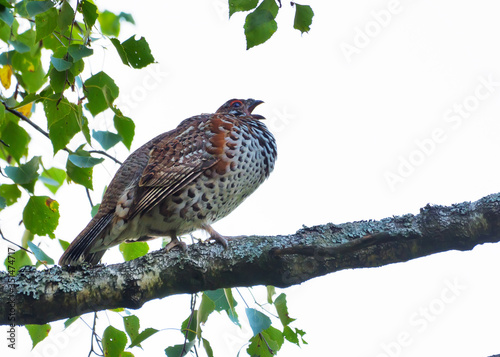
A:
94, 210
38, 7
70, 321
10, 193
219, 298
118, 309
52, 42
290, 335
208, 348
62, 130
258, 321
207, 306
25, 174
77, 68
113, 342
125, 128
84, 124
138, 52
303, 17
32, 74
301, 333
89, 12
282, 309
57, 80
120, 50
17, 140
110, 23
131, 324
62, 127
259, 347
16, 261
101, 92
275, 335
66, 16
40, 254
134, 250
21, 9
241, 5
56, 109
231, 312
53, 178
177, 350
79, 51
148, 332
41, 215
270, 292
60, 64
3, 203
7, 16
19, 46
38, 333
106, 139
45, 23
30, 98
64, 244
127, 17
6, 3
84, 161
2, 114
82, 176
260, 24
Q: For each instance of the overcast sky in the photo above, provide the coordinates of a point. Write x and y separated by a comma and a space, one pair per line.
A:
384, 107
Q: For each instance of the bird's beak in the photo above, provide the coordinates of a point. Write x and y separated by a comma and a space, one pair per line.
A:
253, 104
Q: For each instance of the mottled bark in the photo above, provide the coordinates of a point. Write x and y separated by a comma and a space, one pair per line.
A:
47, 295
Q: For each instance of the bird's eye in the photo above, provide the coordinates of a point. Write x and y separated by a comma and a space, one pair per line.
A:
236, 104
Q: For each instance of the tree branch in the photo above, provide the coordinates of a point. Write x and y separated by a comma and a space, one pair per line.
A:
46, 134
56, 293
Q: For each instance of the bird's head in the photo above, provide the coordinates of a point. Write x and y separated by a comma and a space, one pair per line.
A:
241, 108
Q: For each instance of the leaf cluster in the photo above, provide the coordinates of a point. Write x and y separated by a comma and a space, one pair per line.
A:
260, 23
265, 340
46, 47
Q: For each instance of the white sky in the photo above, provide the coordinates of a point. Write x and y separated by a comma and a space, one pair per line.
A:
412, 102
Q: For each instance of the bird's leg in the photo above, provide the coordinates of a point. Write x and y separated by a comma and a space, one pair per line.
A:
141, 239
214, 235
174, 242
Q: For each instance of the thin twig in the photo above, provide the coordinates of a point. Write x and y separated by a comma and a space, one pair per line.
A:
90, 199
260, 305
193, 304
17, 245
238, 290
26, 119
97, 339
105, 154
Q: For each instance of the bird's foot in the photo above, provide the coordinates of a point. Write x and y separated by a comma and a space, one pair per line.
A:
215, 236
175, 242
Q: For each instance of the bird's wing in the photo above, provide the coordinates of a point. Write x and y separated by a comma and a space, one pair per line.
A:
174, 162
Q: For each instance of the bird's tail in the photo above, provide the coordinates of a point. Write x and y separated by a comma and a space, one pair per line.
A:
78, 251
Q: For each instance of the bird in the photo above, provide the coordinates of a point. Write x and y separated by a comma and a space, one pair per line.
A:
181, 181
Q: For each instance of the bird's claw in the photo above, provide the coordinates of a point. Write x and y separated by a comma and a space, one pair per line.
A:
175, 242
